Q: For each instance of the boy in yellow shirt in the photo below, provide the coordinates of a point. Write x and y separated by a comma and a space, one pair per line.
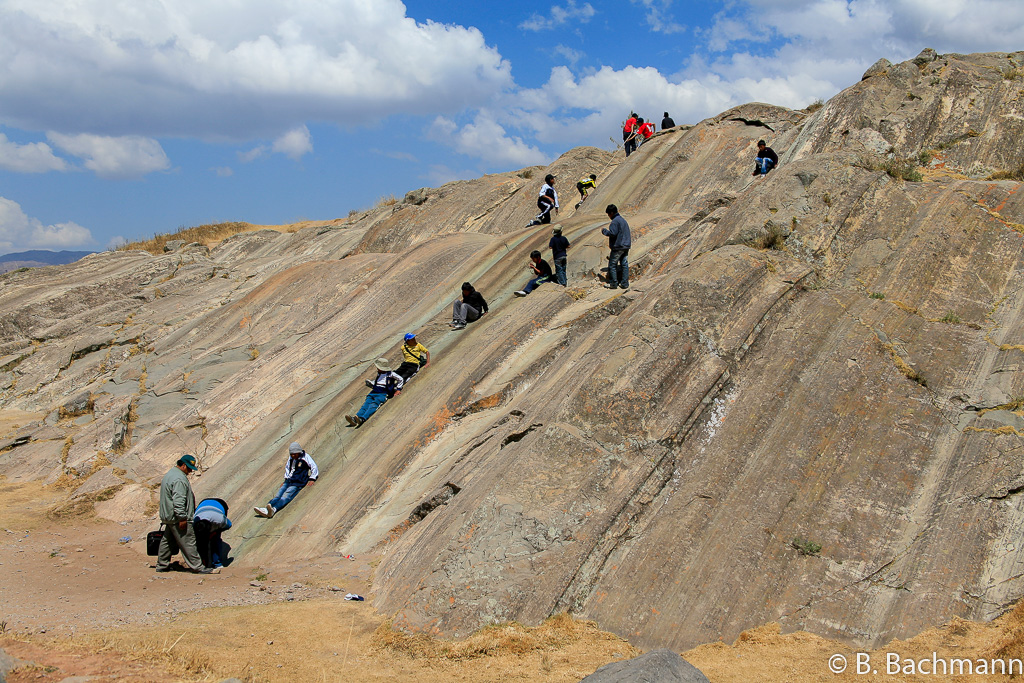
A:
414, 357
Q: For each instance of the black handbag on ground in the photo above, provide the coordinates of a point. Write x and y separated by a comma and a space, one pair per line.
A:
153, 539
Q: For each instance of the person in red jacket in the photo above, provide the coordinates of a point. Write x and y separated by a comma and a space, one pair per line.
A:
629, 134
645, 130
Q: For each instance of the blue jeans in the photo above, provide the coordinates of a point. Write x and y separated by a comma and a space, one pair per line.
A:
285, 494
764, 164
532, 284
560, 270
373, 401
618, 267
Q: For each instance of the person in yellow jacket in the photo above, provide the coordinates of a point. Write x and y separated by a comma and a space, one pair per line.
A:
414, 357
584, 186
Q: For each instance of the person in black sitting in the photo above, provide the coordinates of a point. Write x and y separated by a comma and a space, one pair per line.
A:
667, 122
766, 160
541, 268
472, 307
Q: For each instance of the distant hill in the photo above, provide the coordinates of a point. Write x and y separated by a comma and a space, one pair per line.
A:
39, 257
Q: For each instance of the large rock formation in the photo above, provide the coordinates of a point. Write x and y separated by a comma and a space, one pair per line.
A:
806, 409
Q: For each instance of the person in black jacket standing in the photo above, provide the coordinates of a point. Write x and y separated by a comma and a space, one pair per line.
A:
472, 307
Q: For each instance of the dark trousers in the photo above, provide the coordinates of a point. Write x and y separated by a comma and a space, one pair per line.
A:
207, 542
618, 267
407, 369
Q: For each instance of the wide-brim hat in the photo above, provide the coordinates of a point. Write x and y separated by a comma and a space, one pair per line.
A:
383, 365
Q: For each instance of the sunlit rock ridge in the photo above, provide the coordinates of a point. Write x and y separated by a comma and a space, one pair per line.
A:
829, 357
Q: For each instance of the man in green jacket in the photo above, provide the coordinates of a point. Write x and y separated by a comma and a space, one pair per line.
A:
177, 509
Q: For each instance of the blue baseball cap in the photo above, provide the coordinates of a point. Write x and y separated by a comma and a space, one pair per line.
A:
409, 335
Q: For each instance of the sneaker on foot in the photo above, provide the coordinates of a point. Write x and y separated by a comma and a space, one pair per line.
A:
369, 383
459, 326
625, 286
202, 570
611, 285
163, 569
520, 293
351, 420
270, 510
261, 512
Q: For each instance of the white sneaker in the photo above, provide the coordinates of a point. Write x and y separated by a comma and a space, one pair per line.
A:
261, 512
520, 293
270, 510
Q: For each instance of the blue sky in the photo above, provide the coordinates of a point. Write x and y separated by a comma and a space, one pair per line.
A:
120, 119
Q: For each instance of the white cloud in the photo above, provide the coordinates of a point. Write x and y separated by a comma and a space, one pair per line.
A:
570, 55
559, 16
486, 139
223, 171
253, 154
294, 143
658, 16
19, 232
231, 70
34, 157
129, 156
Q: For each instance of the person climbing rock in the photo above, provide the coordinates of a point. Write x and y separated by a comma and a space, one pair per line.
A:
645, 129
540, 268
414, 357
619, 241
387, 384
766, 159
299, 472
546, 201
584, 186
559, 246
629, 134
667, 122
472, 307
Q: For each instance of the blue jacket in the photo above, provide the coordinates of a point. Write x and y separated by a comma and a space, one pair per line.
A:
214, 512
558, 245
618, 233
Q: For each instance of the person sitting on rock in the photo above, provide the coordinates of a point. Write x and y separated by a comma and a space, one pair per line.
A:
300, 471
541, 268
667, 122
766, 160
388, 384
210, 520
472, 307
584, 186
414, 357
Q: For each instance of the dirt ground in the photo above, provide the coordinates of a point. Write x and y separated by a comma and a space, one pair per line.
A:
78, 603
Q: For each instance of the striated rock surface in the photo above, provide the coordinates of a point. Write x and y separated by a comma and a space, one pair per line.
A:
806, 409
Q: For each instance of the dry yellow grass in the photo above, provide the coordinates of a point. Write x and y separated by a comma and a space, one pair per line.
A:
333, 640
204, 234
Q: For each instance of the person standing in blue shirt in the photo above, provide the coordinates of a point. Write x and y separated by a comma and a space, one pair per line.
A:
559, 246
619, 241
